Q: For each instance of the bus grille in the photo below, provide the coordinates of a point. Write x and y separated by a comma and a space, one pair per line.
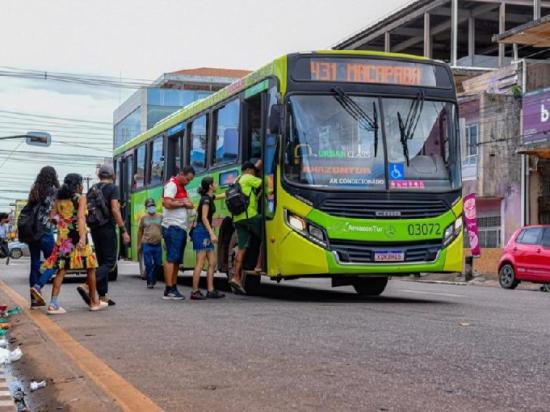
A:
357, 252
384, 209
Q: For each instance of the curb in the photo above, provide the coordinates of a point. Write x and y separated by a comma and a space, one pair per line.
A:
441, 282
7, 403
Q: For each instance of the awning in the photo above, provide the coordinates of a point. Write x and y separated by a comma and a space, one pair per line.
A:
541, 149
535, 33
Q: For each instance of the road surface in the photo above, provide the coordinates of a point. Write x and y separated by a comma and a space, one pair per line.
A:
305, 346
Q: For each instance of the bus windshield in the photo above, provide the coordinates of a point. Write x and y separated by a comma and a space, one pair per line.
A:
367, 143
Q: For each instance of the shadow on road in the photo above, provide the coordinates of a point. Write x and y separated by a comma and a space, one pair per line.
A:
298, 293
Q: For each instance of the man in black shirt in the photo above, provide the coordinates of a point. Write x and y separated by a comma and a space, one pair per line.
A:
104, 237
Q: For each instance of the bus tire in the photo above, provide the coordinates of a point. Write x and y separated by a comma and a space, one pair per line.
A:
252, 284
370, 286
113, 274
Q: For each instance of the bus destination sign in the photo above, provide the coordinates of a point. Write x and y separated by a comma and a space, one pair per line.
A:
375, 71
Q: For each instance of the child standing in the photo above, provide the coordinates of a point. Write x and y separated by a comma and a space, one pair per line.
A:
149, 237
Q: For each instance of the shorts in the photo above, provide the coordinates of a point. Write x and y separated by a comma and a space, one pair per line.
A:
201, 239
175, 239
246, 229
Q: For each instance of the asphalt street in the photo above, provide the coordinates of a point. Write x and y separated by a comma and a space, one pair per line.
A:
302, 345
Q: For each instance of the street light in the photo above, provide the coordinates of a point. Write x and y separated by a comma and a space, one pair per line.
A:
43, 139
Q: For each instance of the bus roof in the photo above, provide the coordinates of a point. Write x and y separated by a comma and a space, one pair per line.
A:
275, 68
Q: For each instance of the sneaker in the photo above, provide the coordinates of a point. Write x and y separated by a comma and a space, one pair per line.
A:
172, 294
150, 285
215, 294
197, 295
110, 302
36, 293
53, 310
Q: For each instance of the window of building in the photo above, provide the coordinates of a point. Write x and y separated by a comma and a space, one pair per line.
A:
489, 231
198, 144
139, 175
157, 162
530, 236
128, 128
227, 134
471, 149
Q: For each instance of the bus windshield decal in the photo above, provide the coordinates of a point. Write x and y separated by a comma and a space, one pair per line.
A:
375, 71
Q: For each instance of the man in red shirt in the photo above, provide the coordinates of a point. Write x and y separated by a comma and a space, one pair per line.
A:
174, 228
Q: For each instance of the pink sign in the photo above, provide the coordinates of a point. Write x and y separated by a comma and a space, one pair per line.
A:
470, 221
407, 184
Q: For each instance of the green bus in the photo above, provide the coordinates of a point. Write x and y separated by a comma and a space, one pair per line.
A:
361, 166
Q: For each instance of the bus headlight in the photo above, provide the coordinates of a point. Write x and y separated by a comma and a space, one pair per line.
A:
307, 229
296, 223
452, 231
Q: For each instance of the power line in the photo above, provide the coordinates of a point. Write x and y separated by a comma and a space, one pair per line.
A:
55, 117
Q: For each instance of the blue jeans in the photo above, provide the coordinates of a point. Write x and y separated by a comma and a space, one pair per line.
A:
44, 245
175, 239
152, 257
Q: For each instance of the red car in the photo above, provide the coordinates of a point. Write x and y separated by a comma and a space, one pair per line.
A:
526, 257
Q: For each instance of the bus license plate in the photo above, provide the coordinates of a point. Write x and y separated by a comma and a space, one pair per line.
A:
389, 256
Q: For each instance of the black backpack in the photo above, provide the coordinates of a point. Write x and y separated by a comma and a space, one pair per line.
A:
237, 202
98, 212
29, 229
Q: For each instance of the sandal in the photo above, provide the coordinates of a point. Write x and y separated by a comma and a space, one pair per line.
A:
100, 306
236, 287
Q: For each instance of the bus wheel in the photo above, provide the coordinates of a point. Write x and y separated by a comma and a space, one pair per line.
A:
370, 286
252, 284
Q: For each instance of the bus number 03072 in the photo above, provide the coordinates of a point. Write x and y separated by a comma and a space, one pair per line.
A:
424, 229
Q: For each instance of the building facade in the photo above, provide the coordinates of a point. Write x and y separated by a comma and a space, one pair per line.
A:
167, 94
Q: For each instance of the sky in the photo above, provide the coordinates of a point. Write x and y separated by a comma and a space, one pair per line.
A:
136, 39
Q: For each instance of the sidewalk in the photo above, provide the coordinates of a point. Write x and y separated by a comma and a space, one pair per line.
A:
458, 279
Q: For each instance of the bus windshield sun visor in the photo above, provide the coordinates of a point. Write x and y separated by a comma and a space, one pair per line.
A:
407, 128
363, 119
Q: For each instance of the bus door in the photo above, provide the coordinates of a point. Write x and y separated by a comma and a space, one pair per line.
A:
253, 120
271, 172
261, 143
126, 170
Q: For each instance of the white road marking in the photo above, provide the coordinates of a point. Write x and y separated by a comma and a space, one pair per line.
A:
423, 292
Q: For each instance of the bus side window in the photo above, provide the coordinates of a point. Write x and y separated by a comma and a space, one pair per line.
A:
157, 161
253, 128
199, 144
227, 134
174, 154
139, 171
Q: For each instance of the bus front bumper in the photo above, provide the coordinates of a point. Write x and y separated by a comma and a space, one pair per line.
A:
301, 257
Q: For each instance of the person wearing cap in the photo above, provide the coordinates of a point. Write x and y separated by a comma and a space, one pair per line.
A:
247, 224
104, 237
149, 237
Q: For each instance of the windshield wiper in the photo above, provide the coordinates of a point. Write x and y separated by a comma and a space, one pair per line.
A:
357, 112
408, 127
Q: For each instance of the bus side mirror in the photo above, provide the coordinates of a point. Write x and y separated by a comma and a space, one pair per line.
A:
276, 118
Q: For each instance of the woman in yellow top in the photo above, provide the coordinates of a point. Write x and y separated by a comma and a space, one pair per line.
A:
71, 250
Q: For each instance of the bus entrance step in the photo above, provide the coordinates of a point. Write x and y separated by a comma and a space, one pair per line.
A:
252, 273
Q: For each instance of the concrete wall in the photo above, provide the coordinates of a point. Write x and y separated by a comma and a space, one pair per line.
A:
500, 165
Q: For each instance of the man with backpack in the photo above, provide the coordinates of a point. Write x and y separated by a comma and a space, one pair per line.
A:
242, 202
103, 215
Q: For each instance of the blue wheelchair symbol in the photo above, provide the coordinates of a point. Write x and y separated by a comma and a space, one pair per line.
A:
396, 171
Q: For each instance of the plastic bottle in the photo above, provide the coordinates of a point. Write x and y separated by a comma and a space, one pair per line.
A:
37, 385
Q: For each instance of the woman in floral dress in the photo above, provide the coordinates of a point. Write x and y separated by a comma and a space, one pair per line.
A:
71, 250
